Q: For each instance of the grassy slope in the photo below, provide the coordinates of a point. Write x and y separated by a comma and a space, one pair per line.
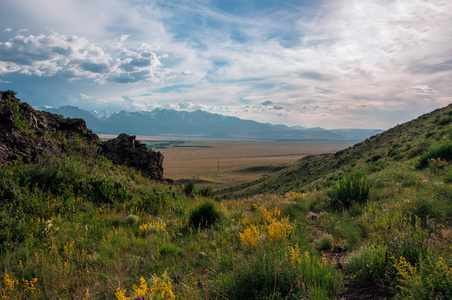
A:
79, 226
402, 142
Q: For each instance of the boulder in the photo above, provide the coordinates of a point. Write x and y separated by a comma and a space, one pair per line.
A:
127, 150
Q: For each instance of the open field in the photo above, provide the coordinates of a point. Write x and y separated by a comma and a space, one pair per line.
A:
222, 163
225, 163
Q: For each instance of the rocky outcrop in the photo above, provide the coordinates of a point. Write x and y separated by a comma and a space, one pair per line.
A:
26, 133
127, 150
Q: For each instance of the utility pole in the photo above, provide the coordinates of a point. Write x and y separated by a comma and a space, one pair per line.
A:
218, 164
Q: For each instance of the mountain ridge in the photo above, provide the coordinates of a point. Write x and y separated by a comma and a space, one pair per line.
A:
203, 124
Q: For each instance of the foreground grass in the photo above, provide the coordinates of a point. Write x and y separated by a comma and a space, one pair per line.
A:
78, 227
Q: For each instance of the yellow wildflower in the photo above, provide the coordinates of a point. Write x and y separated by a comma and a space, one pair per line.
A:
29, 286
140, 290
162, 288
295, 258
86, 296
279, 230
250, 237
121, 294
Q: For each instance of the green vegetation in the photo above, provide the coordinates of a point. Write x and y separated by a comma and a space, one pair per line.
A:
204, 215
365, 221
403, 142
19, 121
353, 189
441, 153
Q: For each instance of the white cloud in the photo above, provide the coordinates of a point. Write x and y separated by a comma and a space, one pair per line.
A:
76, 58
386, 55
422, 89
83, 96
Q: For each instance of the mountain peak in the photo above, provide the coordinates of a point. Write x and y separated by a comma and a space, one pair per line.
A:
162, 121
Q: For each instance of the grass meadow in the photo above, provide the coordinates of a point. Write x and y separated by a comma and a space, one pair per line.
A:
82, 228
372, 222
223, 163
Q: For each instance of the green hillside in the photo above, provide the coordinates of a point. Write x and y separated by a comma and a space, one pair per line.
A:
399, 144
369, 222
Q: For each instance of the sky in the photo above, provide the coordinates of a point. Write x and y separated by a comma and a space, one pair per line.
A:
326, 63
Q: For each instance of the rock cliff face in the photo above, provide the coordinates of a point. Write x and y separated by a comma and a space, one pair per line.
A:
126, 150
26, 133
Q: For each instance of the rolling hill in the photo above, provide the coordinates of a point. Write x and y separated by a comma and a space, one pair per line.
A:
402, 142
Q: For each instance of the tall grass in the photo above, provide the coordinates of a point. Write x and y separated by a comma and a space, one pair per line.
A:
353, 189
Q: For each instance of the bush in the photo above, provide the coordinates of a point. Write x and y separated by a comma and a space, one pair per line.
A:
392, 152
260, 276
152, 202
375, 158
430, 279
206, 192
443, 152
324, 242
367, 263
12, 230
107, 191
189, 188
204, 215
132, 219
170, 250
443, 121
354, 188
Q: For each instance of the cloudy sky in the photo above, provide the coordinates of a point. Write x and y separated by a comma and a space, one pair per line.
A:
327, 63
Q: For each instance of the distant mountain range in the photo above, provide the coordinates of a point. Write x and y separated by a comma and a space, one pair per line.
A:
169, 122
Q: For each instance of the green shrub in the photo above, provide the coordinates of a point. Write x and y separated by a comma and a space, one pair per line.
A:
204, 215
429, 134
368, 263
430, 279
352, 189
107, 191
153, 201
443, 152
132, 219
392, 152
260, 276
206, 192
448, 177
443, 121
375, 158
189, 188
12, 230
170, 250
411, 244
324, 242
